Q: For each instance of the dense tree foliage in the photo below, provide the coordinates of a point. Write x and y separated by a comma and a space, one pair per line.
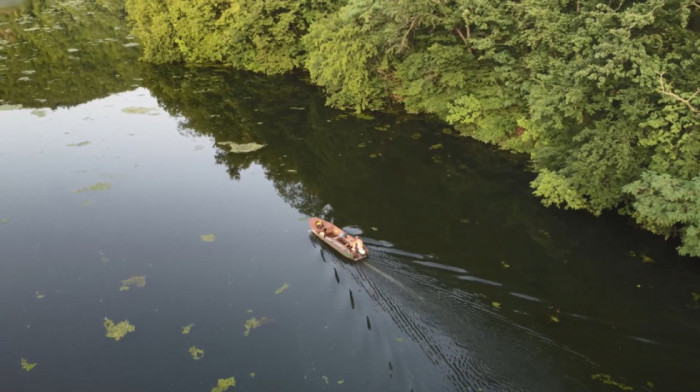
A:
261, 36
603, 95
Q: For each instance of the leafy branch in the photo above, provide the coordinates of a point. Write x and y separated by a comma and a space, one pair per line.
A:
665, 90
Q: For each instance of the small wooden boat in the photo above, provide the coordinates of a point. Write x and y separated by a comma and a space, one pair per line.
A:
336, 238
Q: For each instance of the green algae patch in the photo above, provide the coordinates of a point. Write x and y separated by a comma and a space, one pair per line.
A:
38, 113
196, 353
208, 237
119, 330
187, 329
134, 281
224, 384
241, 148
281, 289
364, 116
139, 110
646, 259
100, 186
80, 144
607, 379
27, 366
103, 257
255, 323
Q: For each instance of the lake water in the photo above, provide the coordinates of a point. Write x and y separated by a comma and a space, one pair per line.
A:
111, 169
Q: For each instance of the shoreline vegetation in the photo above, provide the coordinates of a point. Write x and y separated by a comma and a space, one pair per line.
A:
603, 96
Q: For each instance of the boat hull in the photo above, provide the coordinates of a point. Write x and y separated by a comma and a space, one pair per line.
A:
334, 239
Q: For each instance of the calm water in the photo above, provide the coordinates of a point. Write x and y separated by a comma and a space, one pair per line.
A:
111, 169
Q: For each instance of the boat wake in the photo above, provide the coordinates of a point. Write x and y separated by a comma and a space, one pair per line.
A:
475, 347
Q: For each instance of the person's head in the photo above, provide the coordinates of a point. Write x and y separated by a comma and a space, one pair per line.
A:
319, 224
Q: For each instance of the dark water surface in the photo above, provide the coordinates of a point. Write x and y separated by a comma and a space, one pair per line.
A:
111, 169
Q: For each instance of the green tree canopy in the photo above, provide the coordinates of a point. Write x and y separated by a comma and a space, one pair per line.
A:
603, 95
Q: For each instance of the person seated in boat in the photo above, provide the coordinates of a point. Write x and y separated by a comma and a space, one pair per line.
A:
356, 245
322, 229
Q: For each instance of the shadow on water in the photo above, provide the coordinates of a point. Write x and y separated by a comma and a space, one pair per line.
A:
552, 289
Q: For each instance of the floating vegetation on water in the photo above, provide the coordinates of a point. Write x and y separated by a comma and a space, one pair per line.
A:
134, 281
39, 295
38, 112
208, 237
362, 145
399, 340
5, 220
382, 127
297, 108
281, 289
554, 318
646, 259
87, 203
465, 220
83, 143
504, 264
496, 305
119, 330
103, 257
374, 228
340, 382
252, 375
325, 379
254, 323
196, 353
415, 136
100, 186
224, 384
436, 146
363, 116
10, 107
27, 366
251, 324
140, 110
187, 329
607, 379
695, 304
241, 148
